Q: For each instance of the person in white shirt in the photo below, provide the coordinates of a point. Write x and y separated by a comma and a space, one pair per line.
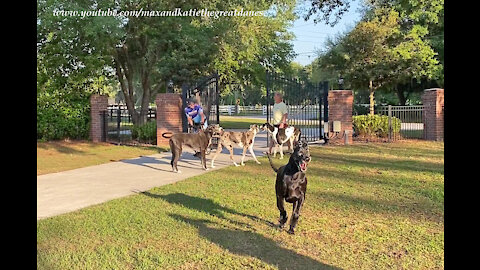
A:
280, 114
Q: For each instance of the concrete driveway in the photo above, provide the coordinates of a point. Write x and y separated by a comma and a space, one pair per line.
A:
67, 191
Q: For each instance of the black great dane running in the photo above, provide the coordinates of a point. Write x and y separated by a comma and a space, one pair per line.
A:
291, 183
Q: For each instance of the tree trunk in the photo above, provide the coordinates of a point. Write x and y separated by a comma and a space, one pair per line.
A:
124, 68
401, 95
145, 98
124, 73
372, 100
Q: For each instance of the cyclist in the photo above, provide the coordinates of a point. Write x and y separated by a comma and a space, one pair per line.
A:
196, 118
194, 113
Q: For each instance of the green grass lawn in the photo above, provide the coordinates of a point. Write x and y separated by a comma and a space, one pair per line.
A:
232, 122
57, 156
368, 206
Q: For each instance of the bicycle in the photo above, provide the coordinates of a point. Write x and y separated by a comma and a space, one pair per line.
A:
195, 129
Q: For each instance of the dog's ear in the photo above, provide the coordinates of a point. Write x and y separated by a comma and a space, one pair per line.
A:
304, 143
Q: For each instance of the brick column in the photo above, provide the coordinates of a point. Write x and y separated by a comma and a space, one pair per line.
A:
169, 115
98, 103
433, 100
340, 108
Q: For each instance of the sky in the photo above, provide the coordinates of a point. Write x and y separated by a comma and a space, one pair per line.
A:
311, 37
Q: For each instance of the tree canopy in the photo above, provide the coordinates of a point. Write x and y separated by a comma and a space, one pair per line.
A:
397, 47
139, 54
389, 49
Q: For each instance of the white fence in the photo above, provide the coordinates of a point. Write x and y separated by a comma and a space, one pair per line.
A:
292, 109
230, 109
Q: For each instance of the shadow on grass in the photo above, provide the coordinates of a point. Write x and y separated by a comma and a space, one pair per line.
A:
408, 208
378, 178
399, 149
382, 163
415, 198
58, 146
247, 243
206, 206
188, 158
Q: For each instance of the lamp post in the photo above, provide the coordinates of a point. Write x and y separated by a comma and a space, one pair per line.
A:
170, 86
340, 83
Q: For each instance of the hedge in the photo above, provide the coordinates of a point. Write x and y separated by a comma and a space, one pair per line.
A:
61, 116
146, 133
374, 125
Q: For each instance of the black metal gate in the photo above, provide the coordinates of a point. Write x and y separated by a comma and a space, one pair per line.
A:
206, 92
307, 104
118, 124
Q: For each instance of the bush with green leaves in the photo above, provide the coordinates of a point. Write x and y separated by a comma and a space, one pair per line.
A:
61, 115
146, 133
374, 125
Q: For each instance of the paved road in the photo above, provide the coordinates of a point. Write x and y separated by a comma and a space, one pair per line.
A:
67, 191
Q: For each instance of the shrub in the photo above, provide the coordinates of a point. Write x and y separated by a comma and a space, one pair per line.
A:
62, 116
146, 133
374, 125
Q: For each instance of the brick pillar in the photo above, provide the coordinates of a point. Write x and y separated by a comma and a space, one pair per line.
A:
169, 115
433, 100
340, 108
98, 103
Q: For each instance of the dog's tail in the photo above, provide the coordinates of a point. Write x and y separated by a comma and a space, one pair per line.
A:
271, 163
170, 133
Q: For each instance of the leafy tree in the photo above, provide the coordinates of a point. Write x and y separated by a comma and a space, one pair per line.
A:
142, 53
248, 46
329, 11
70, 67
419, 21
155, 49
380, 54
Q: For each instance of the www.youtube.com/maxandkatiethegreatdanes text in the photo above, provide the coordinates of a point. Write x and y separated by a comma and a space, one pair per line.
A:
157, 13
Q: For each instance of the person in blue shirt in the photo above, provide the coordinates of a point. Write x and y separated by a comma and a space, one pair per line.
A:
194, 113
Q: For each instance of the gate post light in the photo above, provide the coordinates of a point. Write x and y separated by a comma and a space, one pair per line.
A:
170, 86
340, 83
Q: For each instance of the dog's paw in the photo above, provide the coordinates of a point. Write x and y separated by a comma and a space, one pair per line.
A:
243, 164
206, 169
258, 162
280, 225
178, 171
236, 165
291, 231
281, 157
282, 221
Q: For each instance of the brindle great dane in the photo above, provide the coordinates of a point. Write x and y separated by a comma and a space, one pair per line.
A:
197, 141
